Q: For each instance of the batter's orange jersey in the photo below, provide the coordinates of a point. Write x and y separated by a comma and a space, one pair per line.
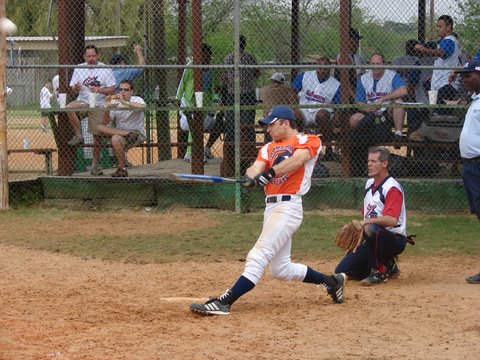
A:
297, 182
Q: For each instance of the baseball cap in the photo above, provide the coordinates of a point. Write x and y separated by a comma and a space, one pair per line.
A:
354, 34
278, 112
471, 66
278, 77
117, 59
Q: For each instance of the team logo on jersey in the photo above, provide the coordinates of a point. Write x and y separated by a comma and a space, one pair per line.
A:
371, 211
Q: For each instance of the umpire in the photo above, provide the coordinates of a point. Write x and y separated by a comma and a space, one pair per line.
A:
384, 222
470, 143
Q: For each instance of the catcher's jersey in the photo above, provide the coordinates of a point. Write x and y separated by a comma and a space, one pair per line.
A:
375, 203
297, 182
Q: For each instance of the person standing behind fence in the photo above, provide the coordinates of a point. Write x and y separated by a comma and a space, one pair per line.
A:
45, 97
248, 81
85, 81
185, 93
284, 168
129, 130
127, 73
448, 53
470, 143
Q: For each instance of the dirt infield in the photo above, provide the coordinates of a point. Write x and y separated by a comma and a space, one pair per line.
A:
55, 306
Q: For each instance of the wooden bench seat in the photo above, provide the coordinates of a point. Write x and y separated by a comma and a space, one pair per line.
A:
47, 152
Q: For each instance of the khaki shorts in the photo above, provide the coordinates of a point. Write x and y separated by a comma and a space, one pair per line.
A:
141, 138
95, 118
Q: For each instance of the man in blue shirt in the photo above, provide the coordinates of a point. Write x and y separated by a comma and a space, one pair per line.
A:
127, 73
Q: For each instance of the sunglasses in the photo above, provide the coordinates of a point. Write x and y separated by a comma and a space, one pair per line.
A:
125, 89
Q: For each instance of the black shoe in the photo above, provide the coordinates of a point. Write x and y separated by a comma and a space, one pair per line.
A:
336, 292
474, 279
214, 306
376, 277
397, 141
392, 269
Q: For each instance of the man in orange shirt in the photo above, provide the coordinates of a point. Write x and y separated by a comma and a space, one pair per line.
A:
284, 167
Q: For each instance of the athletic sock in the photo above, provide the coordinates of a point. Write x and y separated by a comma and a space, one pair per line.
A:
315, 277
241, 287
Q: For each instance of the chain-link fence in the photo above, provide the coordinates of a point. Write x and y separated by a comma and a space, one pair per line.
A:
200, 76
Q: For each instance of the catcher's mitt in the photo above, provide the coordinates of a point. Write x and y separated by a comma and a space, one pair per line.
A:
349, 236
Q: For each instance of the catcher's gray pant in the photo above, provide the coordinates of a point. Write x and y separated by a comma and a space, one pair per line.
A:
280, 221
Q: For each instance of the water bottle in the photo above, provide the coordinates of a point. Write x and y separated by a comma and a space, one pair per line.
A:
26, 144
156, 93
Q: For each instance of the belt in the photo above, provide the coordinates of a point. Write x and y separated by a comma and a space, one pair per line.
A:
475, 159
275, 199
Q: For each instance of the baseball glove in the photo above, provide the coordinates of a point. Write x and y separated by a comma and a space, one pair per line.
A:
349, 236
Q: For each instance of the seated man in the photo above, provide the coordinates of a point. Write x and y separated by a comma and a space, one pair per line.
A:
384, 225
129, 130
379, 86
84, 82
317, 87
277, 93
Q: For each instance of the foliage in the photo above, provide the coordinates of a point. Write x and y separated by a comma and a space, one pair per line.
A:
470, 28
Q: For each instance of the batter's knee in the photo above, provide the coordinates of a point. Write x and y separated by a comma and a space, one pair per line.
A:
289, 272
255, 265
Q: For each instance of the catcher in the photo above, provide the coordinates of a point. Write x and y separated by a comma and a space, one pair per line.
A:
373, 243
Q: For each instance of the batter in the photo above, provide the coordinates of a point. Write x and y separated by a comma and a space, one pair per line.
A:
284, 167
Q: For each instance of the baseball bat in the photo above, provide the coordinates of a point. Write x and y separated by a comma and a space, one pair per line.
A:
209, 179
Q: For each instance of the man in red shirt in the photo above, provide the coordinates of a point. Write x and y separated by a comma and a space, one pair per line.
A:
384, 222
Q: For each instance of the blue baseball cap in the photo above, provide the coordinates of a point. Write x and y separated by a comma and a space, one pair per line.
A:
117, 59
471, 66
278, 112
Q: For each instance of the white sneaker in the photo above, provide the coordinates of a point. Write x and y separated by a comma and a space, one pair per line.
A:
188, 158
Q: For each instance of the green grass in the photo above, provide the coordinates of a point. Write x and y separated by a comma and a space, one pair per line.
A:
229, 238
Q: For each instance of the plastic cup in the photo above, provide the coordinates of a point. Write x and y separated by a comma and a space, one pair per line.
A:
258, 94
432, 97
92, 99
62, 100
199, 99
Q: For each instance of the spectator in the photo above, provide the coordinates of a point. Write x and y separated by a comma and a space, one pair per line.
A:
384, 223
447, 54
127, 73
354, 59
277, 93
185, 93
470, 143
85, 81
248, 80
8, 90
317, 87
56, 84
45, 97
411, 77
129, 130
379, 86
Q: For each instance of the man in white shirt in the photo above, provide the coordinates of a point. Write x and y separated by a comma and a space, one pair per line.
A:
45, 96
99, 81
129, 130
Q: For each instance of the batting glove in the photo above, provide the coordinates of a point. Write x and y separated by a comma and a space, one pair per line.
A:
249, 182
265, 177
